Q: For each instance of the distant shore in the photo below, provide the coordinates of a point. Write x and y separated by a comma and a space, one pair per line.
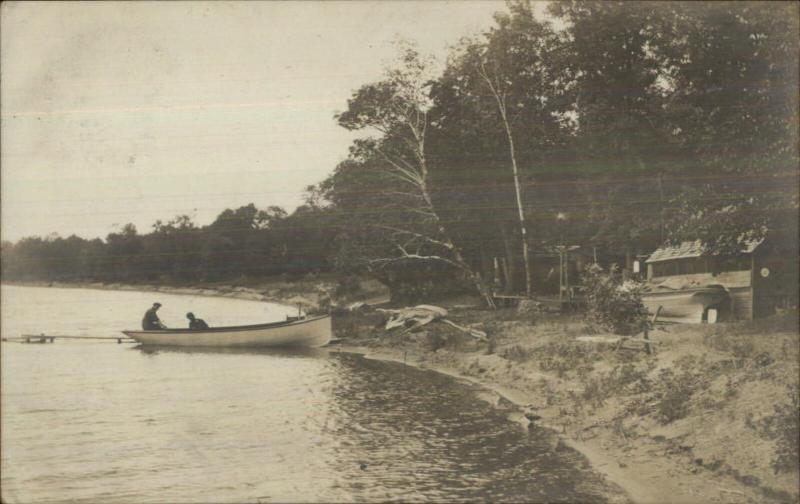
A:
311, 293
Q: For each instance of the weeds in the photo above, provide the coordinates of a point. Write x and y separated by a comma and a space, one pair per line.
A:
561, 358
623, 378
783, 426
674, 402
787, 427
731, 388
618, 427
517, 353
786, 322
745, 342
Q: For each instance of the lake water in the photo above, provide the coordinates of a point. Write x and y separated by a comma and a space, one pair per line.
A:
104, 422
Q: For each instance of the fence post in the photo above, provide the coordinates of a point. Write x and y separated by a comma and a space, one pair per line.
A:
646, 331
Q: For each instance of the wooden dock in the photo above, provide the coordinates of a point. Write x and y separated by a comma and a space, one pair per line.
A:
50, 338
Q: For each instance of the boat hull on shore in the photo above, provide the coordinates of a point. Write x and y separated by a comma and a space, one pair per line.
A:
308, 332
685, 305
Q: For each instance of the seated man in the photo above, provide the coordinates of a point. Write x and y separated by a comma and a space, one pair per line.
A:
151, 321
196, 323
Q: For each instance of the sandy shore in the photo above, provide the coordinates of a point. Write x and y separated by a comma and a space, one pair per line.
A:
714, 451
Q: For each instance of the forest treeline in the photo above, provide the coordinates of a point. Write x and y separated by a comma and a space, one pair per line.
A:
613, 126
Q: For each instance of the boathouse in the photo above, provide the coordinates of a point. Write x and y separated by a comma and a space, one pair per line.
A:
759, 279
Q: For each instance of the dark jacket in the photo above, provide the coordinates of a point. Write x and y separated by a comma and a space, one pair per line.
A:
198, 323
151, 320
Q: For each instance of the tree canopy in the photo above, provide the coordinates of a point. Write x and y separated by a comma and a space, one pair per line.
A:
609, 125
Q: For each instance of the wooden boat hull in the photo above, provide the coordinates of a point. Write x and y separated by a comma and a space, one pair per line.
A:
685, 305
309, 332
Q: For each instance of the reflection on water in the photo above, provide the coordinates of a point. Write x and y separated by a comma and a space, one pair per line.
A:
285, 352
100, 422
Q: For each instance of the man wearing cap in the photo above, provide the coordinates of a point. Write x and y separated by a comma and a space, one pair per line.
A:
196, 323
151, 320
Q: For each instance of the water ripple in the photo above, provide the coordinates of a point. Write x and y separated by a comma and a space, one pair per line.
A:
108, 423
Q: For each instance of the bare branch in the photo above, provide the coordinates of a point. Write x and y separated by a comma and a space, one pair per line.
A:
414, 256
426, 213
402, 173
446, 244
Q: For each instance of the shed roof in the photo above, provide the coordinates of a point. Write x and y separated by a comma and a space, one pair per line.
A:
690, 249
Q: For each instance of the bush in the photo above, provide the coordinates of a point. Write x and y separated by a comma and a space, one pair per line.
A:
674, 402
611, 303
784, 428
787, 425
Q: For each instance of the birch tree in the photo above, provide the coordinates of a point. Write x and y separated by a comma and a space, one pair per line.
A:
498, 87
394, 165
509, 75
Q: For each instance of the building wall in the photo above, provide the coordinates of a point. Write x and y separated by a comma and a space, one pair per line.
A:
779, 288
742, 303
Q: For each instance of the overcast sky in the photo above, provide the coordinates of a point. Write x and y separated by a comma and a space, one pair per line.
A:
132, 112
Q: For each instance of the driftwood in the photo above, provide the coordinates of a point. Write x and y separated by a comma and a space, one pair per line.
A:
420, 315
472, 332
414, 317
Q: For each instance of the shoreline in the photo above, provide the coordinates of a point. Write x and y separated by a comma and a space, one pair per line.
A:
635, 490
711, 452
243, 293
686, 460
312, 293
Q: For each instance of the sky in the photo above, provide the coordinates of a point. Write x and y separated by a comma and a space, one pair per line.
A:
132, 112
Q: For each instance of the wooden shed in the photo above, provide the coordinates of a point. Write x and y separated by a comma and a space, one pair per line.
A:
759, 279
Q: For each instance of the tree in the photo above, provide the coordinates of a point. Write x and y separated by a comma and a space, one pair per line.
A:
495, 67
123, 257
501, 93
733, 104
623, 147
397, 108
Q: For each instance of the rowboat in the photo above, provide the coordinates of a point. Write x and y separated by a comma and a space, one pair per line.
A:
305, 332
688, 305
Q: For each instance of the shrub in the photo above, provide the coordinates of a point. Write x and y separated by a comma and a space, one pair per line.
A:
611, 303
787, 425
517, 353
674, 402
784, 428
